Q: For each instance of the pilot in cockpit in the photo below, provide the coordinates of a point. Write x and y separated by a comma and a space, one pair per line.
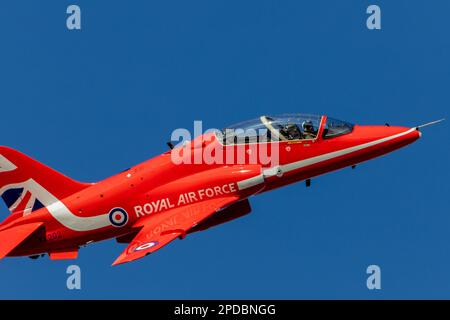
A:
308, 130
291, 131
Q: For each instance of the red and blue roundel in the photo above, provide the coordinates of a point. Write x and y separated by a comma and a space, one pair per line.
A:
118, 217
146, 246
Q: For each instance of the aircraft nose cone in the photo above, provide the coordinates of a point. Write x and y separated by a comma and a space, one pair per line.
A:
402, 135
419, 133
387, 137
406, 134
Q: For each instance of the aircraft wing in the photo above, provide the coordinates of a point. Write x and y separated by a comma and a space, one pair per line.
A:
159, 230
11, 238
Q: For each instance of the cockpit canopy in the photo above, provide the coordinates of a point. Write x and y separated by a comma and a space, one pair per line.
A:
334, 128
284, 127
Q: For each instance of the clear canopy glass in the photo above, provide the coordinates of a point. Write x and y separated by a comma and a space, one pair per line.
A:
334, 128
283, 127
273, 128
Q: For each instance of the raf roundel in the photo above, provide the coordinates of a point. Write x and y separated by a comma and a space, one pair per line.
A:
146, 246
118, 217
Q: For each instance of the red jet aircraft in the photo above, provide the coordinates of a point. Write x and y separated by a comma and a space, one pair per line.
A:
157, 201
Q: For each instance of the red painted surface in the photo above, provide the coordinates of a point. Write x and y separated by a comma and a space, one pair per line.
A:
158, 201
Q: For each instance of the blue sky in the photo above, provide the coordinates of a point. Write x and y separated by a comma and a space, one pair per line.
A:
95, 101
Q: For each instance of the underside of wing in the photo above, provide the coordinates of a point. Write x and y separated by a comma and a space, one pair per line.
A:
157, 231
13, 237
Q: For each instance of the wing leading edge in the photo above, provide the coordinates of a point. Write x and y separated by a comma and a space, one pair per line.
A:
157, 231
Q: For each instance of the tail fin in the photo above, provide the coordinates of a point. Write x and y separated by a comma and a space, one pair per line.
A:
27, 185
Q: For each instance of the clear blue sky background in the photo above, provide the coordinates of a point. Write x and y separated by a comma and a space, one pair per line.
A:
93, 102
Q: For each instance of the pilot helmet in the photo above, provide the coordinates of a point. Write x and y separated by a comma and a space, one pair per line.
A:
308, 126
291, 129
290, 126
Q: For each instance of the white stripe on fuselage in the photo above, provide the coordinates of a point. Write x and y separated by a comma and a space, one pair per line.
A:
279, 170
328, 156
58, 210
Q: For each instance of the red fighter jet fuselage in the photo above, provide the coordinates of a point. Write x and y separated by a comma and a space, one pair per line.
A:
159, 200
